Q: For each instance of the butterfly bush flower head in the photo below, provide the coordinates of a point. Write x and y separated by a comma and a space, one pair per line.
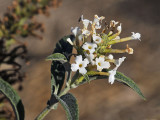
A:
95, 53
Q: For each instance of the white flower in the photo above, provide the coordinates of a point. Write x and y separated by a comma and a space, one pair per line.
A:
97, 39
119, 62
70, 41
136, 35
77, 32
113, 23
111, 78
97, 19
90, 57
119, 28
80, 65
110, 56
85, 32
80, 37
96, 24
112, 73
85, 22
101, 63
89, 46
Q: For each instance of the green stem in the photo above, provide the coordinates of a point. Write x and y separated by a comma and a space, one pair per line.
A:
43, 113
64, 91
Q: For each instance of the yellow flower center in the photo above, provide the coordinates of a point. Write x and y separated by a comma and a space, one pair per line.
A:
99, 64
80, 65
89, 47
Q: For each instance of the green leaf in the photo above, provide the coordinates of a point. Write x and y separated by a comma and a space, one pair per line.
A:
57, 57
69, 103
57, 68
14, 99
124, 79
119, 77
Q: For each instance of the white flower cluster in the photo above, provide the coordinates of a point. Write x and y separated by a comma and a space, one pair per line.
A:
92, 57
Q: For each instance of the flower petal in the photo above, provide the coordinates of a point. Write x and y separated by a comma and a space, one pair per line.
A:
74, 67
70, 41
85, 62
89, 46
111, 76
76, 31
136, 35
110, 56
119, 28
99, 68
105, 64
80, 37
85, 22
119, 61
78, 59
85, 32
82, 70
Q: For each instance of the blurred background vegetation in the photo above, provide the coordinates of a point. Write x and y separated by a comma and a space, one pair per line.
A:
97, 100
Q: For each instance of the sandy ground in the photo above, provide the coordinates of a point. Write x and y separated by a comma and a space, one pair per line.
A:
99, 100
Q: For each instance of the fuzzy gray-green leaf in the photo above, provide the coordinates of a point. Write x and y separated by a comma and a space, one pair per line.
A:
57, 57
124, 79
14, 99
119, 77
57, 68
69, 103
